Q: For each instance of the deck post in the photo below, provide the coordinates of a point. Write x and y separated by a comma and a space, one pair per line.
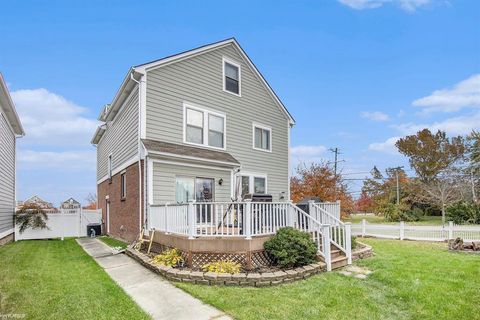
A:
311, 208
166, 218
450, 230
326, 246
402, 230
290, 214
364, 227
348, 241
248, 219
191, 219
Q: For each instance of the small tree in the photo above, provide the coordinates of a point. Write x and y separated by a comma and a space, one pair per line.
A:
31, 216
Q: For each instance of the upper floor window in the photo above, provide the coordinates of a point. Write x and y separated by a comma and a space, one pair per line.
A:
262, 137
231, 76
204, 127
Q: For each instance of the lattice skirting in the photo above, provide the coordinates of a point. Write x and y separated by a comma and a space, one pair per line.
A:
261, 259
199, 259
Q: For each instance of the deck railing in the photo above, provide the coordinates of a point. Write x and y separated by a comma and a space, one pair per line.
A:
249, 219
340, 233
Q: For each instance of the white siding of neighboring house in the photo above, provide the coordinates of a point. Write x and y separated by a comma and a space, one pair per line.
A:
199, 80
120, 138
7, 176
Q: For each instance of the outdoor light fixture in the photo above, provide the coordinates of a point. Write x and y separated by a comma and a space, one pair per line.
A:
220, 182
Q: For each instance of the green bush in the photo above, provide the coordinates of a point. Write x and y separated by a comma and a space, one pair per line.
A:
401, 212
463, 212
169, 258
291, 248
354, 242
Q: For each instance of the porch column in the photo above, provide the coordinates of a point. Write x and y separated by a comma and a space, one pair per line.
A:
248, 219
191, 219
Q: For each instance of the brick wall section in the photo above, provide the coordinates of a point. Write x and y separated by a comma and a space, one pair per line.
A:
7, 239
123, 213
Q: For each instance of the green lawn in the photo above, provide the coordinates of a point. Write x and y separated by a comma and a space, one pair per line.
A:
112, 242
410, 280
53, 279
427, 220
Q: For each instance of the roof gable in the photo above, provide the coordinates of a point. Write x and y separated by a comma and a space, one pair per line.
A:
143, 68
7, 107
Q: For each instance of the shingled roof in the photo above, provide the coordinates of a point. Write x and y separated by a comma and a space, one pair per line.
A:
184, 151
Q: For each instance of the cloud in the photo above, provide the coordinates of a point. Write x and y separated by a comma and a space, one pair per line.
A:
307, 154
60, 161
388, 146
465, 94
50, 119
375, 116
460, 125
406, 5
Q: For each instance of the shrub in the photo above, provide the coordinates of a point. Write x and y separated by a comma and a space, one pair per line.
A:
224, 266
354, 242
169, 258
31, 216
394, 212
463, 212
291, 248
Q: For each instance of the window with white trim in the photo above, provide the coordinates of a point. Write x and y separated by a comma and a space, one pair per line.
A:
262, 138
253, 183
231, 76
123, 185
204, 127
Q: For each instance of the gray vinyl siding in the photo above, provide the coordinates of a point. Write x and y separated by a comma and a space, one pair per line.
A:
120, 138
7, 175
164, 176
199, 80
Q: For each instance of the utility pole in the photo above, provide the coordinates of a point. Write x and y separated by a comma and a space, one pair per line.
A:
398, 183
336, 152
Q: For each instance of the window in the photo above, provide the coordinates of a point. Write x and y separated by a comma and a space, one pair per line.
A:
185, 189
109, 166
123, 185
204, 127
262, 138
231, 77
253, 183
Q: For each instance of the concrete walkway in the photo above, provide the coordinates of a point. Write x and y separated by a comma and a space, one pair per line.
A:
150, 291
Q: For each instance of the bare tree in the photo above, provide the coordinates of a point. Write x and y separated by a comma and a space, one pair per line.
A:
91, 199
442, 191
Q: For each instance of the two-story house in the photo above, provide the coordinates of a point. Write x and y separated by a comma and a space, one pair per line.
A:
201, 125
10, 130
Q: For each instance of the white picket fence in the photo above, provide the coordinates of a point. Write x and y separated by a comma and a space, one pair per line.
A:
66, 223
404, 231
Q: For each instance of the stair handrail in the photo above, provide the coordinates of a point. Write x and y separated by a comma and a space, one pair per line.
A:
340, 232
319, 232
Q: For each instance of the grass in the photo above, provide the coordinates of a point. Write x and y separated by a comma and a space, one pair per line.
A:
112, 242
54, 279
410, 280
426, 220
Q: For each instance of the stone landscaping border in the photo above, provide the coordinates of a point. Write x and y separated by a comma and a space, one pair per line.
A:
252, 279
238, 279
361, 253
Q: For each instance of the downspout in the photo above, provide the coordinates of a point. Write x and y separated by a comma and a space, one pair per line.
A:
140, 198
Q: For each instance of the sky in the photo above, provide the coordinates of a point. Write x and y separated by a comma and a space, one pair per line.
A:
355, 74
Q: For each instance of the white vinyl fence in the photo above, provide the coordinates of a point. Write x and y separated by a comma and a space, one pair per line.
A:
65, 223
404, 231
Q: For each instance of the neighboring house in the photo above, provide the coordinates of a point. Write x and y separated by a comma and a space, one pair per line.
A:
10, 130
201, 125
36, 200
70, 204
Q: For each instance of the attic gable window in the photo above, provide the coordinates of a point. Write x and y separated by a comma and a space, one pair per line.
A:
231, 76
